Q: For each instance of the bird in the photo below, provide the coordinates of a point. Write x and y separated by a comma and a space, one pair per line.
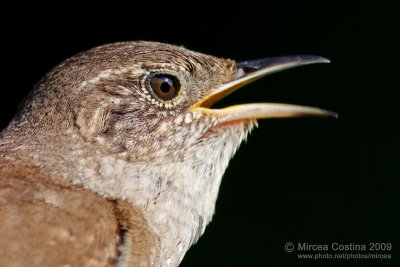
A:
116, 156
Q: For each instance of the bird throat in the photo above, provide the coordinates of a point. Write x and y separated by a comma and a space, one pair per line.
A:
178, 197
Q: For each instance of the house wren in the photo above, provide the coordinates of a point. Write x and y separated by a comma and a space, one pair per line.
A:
116, 156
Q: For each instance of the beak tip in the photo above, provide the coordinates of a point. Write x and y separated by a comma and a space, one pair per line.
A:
332, 114
314, 59
325, 60
320, 112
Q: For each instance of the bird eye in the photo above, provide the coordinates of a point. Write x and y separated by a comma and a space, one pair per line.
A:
165, 87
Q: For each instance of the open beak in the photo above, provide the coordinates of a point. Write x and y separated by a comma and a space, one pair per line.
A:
249, 71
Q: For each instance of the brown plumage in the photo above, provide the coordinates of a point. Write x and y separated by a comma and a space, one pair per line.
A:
116, 157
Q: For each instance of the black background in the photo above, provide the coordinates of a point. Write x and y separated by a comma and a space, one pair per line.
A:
301, 180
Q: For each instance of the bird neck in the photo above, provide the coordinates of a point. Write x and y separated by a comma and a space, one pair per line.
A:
176, 197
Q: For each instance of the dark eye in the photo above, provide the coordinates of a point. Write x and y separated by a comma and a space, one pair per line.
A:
165, 87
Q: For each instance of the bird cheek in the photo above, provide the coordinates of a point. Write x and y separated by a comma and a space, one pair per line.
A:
92, 121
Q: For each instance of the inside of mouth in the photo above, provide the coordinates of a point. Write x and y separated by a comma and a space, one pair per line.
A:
249, 69
240, 96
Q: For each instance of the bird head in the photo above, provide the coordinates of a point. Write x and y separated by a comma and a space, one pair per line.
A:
153, 102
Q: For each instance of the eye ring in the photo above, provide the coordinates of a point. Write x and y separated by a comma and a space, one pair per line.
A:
165, 87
